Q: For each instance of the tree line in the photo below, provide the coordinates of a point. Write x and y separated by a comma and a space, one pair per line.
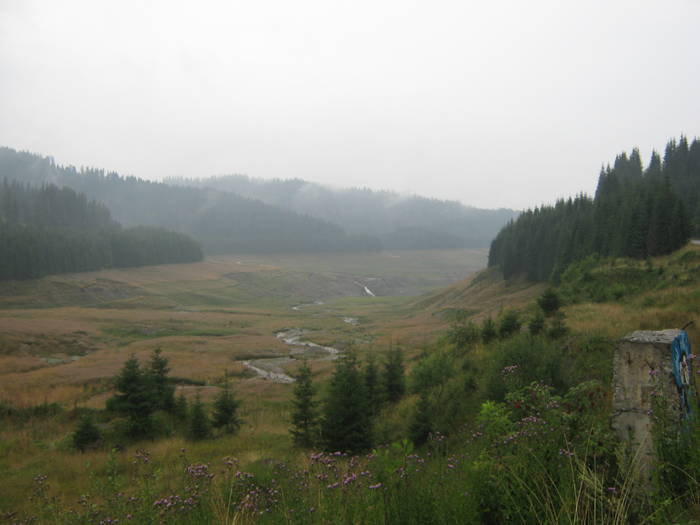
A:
400, 222
635, 213
47, 230
222, 221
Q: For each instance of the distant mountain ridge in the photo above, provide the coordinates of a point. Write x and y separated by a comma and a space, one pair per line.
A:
222, 222
402, 222
237, 214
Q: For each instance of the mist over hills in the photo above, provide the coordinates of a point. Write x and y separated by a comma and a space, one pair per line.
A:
222, 222
48, 230
401, 222
239, 214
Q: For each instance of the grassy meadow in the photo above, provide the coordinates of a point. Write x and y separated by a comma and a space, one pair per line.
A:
64, 338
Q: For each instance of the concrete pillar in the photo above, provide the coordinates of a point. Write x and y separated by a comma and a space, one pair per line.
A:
648, 364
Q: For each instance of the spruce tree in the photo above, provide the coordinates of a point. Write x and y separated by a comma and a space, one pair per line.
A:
653, 170
422, 420
162, 391
509, 324
373, 385
394, 381
200, 426
536, 324
463, 334
86, 434
134, 399
488, 331
226, 411
305, 425
181, 408
346, 425
558, 328
549, 301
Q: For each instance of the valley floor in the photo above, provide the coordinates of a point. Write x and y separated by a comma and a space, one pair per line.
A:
63, 339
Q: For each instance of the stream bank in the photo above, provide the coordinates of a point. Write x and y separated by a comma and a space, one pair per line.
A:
270, 368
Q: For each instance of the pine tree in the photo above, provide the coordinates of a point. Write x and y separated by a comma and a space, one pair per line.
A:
422, 421
680, 227
200, 426
134, 399
463, 334
536, 324
305, 425
373, 386
653, 170
488, 331
394, 381
549, 301
508, 324
162, 391
346, 425
86, 434
558, 328
226, 411
181, 408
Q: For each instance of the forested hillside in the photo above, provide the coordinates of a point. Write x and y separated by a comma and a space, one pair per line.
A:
222, 221
636, 213
401, 222
48, 230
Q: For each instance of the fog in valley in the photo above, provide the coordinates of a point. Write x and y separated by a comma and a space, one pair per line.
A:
499, 105
370, 262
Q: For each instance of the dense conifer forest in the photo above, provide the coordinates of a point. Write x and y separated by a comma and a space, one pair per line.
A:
48, 230
222, 222
401, 222
635, 212
239, 214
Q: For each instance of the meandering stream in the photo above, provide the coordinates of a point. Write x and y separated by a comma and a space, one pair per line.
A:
270, 368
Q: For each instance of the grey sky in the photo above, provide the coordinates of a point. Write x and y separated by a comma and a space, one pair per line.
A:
508, 103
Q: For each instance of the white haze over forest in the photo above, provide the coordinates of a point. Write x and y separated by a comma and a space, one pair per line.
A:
495, 104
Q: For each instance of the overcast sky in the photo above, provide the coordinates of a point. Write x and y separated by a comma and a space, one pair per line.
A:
495, 104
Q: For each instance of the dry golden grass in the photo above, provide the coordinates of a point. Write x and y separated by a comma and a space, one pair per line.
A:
484, 294
211, 268
202, 341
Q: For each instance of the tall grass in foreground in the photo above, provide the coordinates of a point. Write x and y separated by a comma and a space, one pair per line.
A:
534, 458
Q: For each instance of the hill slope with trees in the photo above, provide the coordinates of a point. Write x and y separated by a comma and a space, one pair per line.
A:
222, 222
635, 213
402, 222
48, 230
